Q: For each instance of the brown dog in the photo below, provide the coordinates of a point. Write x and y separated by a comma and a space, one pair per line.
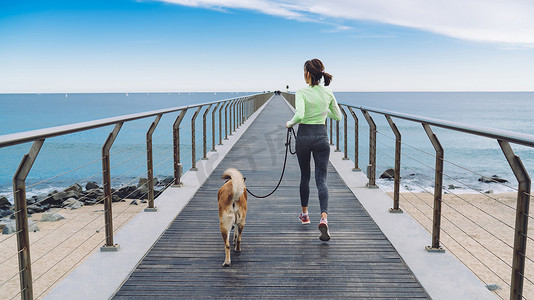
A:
232, 198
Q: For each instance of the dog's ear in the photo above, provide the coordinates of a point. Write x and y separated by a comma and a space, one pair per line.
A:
244, 179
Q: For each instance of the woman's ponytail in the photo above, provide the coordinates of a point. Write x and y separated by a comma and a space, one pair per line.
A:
327, 78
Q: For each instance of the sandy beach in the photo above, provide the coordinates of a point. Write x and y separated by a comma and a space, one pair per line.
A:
58, 247
477, 229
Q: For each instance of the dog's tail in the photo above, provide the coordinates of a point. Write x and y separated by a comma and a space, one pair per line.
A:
238, 183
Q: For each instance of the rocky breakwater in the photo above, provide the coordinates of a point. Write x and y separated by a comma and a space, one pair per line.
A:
76, 196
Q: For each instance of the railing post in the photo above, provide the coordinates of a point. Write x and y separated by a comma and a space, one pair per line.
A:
398, 144
346, 154
371, 168
337, 137
21, 219
230, 107
234, 127
241, 118
213, 127
178, 169
243, 111
226, 119
220, 121
438, 188
521, 220
106, 168
193, 141
150, 165
204, 138
356, 129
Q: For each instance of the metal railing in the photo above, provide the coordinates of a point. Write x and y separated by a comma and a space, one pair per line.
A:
236, 112
503, 138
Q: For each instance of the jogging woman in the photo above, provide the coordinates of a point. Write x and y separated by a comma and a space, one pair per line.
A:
313, 105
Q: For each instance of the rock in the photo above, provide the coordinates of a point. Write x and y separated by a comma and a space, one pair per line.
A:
134, 195
32, 200
143, 182
64, 195
388, 174
4, 203
34, 209
74, 188
91, 185
493, 178
134, 202
115, 198
92, 195
451, 187
6, 213
126, 192
489, 192
69, 201
493, 287
72, 203
50, 200
167, 181
76, 205
51, 217
11, 227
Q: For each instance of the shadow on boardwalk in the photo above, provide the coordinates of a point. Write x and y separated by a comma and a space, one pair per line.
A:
280, 257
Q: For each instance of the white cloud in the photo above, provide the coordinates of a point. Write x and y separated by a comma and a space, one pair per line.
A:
496, 21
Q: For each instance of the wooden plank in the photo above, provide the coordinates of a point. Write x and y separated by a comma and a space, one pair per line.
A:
280, 257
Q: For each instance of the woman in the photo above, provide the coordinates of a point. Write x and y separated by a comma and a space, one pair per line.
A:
313, 104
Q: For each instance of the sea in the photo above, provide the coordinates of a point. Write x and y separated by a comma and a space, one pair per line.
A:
75, 158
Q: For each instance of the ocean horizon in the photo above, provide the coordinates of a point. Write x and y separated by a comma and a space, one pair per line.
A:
477, 156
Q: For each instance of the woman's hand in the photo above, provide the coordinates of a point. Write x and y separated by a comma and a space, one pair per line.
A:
289, 124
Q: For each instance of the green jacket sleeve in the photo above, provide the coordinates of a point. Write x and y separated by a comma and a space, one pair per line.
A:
333, 110
299, 109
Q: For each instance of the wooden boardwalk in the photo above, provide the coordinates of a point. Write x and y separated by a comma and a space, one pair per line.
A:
280, 257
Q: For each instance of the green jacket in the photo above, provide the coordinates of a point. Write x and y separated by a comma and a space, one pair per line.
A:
313, 104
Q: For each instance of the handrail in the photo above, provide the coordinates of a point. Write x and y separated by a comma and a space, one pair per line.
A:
503, 137
32, 135
498, 134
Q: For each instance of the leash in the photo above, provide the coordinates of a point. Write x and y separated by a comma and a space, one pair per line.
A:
290, 132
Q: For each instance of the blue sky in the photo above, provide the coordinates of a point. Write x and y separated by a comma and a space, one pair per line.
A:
256, 45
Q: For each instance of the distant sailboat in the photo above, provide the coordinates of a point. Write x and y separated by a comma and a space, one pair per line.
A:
66, 95
126, 94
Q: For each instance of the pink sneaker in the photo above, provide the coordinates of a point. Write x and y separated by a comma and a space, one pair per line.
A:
305, 219
323, 228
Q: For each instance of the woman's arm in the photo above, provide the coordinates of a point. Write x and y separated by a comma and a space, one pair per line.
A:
299, 110
333, 110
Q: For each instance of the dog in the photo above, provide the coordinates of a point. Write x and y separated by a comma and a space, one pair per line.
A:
232, 197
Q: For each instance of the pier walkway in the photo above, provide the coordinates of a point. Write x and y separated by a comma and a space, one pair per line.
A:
280, 257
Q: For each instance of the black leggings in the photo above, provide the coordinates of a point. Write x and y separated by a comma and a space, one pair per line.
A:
313, 139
